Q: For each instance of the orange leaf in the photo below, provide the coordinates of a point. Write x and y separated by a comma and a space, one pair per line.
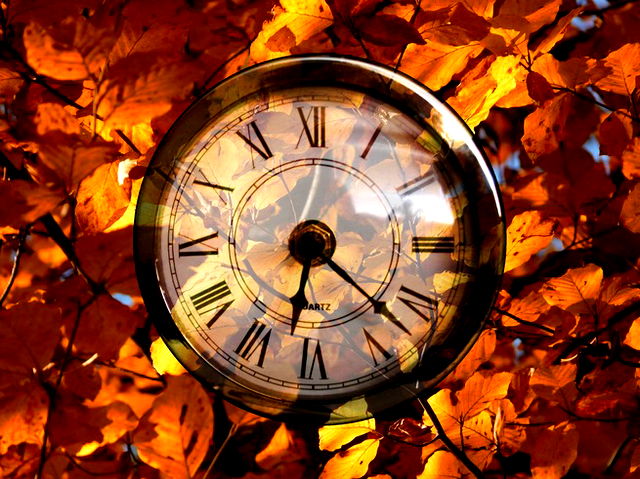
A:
139, 88
442, 464
352, 463
28, 202
54, 117
388, 30
283, 448
23, 414
72, 158
575, 291
483, 86
625, 68
175, 434
111, 322
630, 214
435, 64
102, 199
614, 134
553, 450
633, 336
631, 160
527, 234
293, 22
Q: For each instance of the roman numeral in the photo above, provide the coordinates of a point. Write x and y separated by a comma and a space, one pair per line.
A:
255, 339
183, 246
312, 360
424, 306
206, 298
371, 142
432, 244
375, 345
416, 184
264, 152
315, 135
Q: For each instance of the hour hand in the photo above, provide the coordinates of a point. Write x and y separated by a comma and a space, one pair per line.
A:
299, 300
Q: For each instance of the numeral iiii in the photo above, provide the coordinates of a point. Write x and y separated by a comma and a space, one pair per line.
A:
432, 244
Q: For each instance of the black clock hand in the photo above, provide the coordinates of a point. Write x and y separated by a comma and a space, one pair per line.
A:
299, 300
379, 307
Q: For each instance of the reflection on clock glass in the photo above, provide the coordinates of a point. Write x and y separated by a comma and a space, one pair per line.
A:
310, 243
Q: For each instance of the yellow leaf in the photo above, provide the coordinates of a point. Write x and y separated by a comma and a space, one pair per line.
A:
174, 436
527, 234
442, 465
435, 64
163, 359
352, 463
483, 86
281, 449
625, 67
633, 336
294, 21
575, 291
334, 437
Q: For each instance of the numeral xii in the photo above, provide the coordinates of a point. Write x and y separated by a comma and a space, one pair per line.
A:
315, 132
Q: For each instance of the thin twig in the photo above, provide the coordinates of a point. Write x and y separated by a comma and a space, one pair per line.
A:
16, 264
455, 450
523, 321
612, 6
232, 430
32, 76
592, 100
224, 64
53, 393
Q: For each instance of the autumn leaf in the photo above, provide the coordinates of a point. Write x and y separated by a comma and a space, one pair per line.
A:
575, 291
624, 64
553, 449
174, 436
630, 214
352, 463
527, 234
163, 359
28, 202
334, 437
73, 158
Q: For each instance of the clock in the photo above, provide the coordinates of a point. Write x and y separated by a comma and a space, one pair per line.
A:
319, 237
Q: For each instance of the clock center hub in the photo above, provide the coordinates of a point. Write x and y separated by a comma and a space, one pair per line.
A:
312, 241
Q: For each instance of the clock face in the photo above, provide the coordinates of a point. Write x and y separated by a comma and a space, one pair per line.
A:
316, 247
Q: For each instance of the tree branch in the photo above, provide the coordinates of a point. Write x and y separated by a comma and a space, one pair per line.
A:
22, 237
523, 321
455, 450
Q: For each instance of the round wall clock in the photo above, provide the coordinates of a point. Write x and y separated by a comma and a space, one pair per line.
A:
319, 237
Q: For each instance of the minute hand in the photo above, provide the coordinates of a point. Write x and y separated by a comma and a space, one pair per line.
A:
379, 307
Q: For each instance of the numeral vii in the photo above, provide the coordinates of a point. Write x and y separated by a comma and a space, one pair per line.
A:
310, 360
316, 131
207, 299
424, 306
375, 346
432, 244
255, 339
263, 150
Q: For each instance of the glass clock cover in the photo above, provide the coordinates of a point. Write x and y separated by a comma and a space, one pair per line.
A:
319, 237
